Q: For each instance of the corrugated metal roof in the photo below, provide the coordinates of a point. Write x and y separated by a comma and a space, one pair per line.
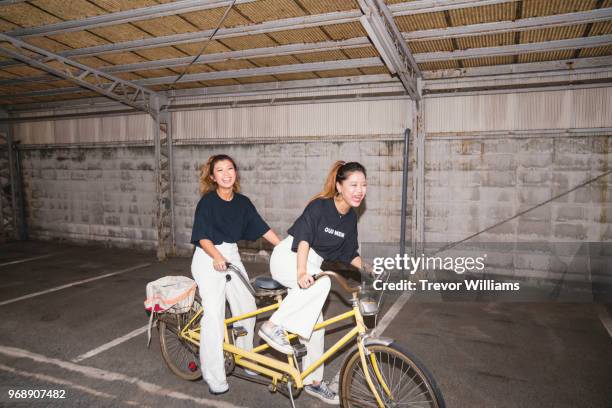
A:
42, 12
532, 8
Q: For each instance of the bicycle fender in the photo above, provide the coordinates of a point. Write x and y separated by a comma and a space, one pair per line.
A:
381, 341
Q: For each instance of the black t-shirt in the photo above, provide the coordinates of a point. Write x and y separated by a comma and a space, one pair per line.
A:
226, 221
332, 235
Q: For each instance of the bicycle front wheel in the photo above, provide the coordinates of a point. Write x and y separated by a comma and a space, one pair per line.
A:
182, 357
398, 377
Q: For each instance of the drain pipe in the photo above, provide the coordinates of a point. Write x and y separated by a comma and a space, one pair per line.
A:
402, 249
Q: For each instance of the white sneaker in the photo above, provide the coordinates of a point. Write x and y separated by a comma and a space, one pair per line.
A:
275, 337
323, 393
218, 389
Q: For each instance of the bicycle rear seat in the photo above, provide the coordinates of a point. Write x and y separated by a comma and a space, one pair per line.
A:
267, 283
266, 286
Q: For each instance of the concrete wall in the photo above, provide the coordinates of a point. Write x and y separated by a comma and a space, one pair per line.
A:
492, 157
91, 194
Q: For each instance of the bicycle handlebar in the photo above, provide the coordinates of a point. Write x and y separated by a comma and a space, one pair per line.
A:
340, 279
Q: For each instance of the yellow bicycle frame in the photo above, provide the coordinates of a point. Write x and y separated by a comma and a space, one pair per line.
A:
280, 371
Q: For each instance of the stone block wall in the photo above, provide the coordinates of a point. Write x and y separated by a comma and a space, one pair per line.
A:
472, 184
91, 194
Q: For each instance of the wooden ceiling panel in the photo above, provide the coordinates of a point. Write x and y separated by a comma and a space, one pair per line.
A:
436, 65
551, 34
483, 14
419, 47
194, 69
168, 25
248, 42
345, 31
304, 35
275, 61
546, 56
480, 41
423, 21
7, 25
362, 52
209, 19
120, 33
93, 62
485, 61
81, 39
602, 28
113, 6
69, 10
26, 15
47, 44
534, 8
328, 6
160, 53
320, 56
195, 48
231, 65
24, 70
120, 58
266, 10
153, 73
374, 70
596, 51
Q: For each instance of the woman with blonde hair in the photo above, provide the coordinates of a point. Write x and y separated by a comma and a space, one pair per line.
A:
223, 216
326, 230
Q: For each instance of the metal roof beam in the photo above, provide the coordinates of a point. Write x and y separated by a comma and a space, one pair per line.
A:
557, 20
121, 17
387, 39
573, 43
433, 6
239, 73
87, 77
561, 65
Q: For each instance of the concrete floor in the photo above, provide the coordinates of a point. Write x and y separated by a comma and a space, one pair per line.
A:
482, 354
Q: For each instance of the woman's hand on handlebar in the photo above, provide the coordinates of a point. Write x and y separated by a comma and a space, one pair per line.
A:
220, 264
305, 280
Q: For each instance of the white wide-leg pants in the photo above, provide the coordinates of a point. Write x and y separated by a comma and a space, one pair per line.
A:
302, 308
214, 290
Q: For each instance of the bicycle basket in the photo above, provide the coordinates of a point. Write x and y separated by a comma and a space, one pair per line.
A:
170, 294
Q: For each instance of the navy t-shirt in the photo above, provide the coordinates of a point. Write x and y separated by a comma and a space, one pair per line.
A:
226, 221
331, 234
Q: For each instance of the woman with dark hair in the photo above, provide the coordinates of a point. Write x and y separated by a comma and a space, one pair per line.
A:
326, 230
223, 217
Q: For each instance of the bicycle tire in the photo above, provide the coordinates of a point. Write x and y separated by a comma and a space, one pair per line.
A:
181, 357
395, 364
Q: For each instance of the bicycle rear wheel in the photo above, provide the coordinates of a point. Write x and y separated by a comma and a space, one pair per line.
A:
399, 378
181, 356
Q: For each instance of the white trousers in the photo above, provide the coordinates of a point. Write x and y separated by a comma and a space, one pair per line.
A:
214, 290
302, 308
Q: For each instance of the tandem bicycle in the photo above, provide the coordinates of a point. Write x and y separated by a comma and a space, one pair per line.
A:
375, 373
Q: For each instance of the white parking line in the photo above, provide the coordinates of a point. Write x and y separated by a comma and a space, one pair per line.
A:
34, 258
605, 318
110, 344
110, 376
43, 292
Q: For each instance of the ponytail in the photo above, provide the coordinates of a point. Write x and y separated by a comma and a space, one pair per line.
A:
337, 174
207, 184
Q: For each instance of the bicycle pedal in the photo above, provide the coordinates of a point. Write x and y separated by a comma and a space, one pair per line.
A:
239, 331
299, 350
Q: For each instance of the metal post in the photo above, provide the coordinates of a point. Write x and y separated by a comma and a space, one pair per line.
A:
402, 249
163, 177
